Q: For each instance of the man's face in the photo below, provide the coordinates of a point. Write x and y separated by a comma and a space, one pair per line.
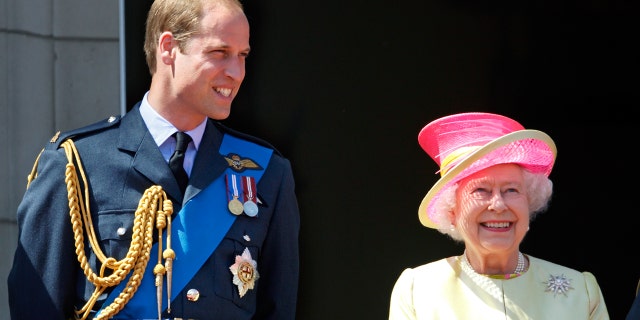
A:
208, 74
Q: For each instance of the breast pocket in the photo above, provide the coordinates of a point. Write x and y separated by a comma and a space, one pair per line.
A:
233, 267
115, 230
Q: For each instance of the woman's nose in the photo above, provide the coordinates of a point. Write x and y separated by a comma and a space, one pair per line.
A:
497, 203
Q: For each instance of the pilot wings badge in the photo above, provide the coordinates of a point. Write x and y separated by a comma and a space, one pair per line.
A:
239, 164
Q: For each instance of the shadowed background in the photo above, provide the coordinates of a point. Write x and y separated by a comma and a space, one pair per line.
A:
343, 88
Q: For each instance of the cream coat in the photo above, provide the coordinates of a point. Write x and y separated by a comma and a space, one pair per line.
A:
443, 290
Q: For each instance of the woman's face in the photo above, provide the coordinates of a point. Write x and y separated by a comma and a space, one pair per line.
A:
492, 211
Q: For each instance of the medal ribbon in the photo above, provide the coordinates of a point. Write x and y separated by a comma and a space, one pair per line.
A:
232, 186
248, 186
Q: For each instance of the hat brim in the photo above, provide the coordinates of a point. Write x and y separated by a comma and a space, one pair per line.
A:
453, 174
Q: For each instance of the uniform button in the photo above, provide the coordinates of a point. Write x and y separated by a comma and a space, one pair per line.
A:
193, 295
121, 231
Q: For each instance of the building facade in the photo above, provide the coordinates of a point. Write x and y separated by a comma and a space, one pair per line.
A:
60, 67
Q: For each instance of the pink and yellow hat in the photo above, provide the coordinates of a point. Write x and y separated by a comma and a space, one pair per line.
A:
465, 143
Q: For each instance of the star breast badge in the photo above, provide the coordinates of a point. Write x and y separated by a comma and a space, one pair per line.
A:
245, 272
558, 284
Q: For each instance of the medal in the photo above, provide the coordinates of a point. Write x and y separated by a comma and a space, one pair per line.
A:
249, 187
250, 208
235, 206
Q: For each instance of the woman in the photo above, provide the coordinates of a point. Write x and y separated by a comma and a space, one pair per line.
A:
494, 180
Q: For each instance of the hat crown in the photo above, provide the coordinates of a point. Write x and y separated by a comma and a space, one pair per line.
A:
461, 134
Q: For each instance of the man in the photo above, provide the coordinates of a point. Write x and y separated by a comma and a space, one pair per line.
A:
106, 230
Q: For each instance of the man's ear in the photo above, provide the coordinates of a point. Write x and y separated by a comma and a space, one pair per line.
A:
167, 46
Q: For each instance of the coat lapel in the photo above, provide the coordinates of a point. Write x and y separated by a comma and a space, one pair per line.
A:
148, 160
209, 164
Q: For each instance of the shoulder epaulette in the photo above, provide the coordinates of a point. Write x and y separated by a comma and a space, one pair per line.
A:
60, 137
246, 136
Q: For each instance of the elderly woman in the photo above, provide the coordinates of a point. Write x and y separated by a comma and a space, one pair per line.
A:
494, 180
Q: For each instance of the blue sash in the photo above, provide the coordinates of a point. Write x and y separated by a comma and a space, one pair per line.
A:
199, 230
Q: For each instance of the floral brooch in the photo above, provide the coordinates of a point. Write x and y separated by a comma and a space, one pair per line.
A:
245, 272
558, 284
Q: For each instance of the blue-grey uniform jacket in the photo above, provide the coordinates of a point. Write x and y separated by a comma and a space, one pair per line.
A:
121, 160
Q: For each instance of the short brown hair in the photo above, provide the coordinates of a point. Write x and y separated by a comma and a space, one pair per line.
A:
180, 17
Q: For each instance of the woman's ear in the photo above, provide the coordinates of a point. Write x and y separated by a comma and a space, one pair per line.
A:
451, 216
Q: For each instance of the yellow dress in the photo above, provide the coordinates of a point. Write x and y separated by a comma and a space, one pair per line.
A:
444, 289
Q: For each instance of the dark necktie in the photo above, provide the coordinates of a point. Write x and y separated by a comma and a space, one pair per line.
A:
177, 159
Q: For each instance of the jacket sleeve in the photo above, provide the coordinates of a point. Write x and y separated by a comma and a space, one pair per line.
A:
279, 265
42, 280
401, 304
597, 307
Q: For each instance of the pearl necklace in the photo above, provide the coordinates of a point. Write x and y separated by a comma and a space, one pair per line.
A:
520, 267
